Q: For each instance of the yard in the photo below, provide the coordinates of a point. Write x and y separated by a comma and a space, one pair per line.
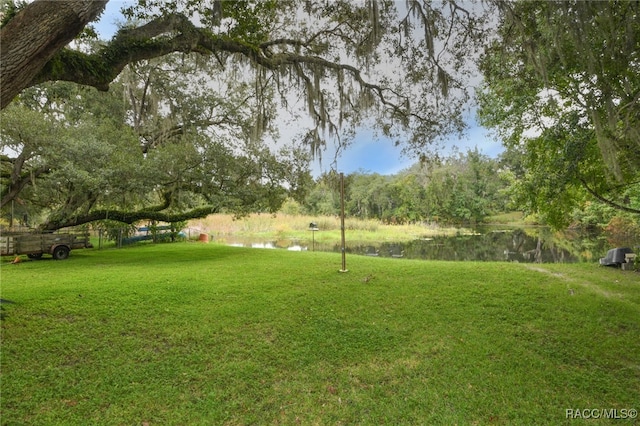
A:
201, 334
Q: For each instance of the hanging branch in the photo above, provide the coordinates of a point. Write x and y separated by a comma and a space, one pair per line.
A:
175, 33
607, 201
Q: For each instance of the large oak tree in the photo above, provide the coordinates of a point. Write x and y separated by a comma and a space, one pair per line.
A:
342, 60
335, 43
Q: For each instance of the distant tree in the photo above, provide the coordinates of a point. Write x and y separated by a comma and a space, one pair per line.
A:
465, 188
323, 198
367, 195
411, 205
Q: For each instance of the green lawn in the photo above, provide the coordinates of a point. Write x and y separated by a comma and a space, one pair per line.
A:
197, 334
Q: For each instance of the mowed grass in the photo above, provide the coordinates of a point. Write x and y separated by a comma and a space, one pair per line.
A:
197, 334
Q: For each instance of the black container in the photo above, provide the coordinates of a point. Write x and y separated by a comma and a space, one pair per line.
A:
615, 257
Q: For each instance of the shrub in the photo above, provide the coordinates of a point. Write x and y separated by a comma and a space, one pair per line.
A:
623, 231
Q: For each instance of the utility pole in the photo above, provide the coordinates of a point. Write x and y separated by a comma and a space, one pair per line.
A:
344, 254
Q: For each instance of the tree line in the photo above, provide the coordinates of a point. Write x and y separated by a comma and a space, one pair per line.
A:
466, 188
462, 188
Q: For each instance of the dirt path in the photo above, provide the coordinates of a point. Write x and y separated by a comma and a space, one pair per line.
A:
581, 282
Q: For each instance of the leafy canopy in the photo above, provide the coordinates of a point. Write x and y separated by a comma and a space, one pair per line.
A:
561, 88
197, 84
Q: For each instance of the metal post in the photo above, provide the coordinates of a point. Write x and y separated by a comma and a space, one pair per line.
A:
344, 253
313, 227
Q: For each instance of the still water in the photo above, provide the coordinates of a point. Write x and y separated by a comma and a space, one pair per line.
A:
530, 244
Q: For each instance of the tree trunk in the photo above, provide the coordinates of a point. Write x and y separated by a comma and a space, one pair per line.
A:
31, 38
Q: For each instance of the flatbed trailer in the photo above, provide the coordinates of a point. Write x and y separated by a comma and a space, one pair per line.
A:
35, 245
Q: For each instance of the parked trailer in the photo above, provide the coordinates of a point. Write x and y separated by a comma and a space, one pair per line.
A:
35, 245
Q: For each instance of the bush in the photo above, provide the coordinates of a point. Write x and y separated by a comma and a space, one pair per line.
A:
115, 231
291, 207
622, 231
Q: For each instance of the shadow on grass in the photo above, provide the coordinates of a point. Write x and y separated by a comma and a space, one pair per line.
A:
143, 254
165, 254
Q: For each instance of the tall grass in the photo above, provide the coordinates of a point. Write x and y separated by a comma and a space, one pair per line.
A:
197, 334
297, 226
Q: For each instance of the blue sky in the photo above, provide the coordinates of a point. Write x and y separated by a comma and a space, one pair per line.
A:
381, 156
365, 153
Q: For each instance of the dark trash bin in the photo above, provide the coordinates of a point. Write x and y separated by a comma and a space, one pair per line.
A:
615, 257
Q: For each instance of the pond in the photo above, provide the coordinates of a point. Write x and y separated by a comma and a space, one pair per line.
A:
521, 244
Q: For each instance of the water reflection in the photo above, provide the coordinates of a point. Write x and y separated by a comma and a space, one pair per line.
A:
539, 245
497, 245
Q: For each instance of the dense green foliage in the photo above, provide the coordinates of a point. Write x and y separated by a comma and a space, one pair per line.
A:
465, 189
196, 334
561, 84
462, 189
195, 88
144, 150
